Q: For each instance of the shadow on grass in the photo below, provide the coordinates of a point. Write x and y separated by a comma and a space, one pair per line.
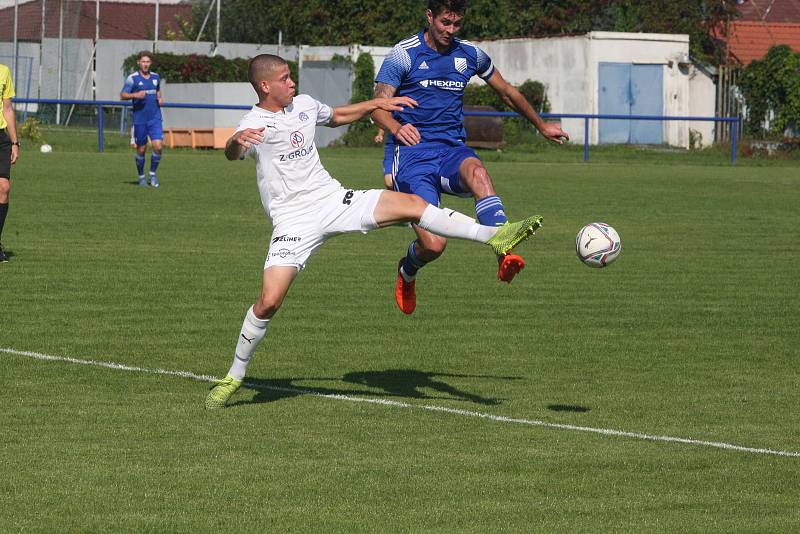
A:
567, 408
389, 384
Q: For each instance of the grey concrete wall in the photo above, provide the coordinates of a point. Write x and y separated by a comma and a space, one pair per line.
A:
26, 73
76, 54
232, 94
110, 55
331, 84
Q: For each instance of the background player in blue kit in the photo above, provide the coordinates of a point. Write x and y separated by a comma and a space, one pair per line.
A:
431, 157
144, 88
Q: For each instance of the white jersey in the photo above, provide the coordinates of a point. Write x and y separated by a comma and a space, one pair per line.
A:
290, 176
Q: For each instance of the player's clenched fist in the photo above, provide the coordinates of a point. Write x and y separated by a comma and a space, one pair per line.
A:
250, 136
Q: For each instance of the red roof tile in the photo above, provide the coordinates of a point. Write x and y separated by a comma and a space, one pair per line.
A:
117, 20
751, 40
769, 11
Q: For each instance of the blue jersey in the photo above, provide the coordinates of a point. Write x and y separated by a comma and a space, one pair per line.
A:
146, 109
437, 82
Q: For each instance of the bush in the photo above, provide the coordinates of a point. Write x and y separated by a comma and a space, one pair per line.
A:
483, 95
30, 129
194, 68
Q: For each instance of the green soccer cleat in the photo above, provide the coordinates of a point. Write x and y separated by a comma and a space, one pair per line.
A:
511, 234
224, 390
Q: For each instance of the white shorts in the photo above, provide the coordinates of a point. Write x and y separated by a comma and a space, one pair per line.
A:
295, 239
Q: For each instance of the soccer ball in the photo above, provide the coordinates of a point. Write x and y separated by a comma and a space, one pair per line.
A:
46, 149
597, 245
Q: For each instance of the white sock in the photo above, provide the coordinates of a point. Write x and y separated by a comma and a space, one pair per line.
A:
253, 331
449, 223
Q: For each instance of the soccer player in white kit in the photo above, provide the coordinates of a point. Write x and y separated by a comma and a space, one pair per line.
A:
307, 205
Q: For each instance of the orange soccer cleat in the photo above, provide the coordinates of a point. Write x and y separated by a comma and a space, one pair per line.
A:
509, 266
404, 293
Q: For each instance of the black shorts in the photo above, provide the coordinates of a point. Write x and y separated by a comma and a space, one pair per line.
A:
5, 155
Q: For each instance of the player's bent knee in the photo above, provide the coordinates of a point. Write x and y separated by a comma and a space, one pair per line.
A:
418, 204
267, 305
481, 178
432, 245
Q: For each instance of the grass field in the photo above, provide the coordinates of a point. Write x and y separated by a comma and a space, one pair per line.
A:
360, 419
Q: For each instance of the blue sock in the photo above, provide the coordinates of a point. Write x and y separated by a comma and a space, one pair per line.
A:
490, 211
412, 263
154, 161
140, 164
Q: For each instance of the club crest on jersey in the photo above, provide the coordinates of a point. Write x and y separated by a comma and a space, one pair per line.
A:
303, 116
461, 64
297, 139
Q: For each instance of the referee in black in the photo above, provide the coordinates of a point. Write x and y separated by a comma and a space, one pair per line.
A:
9, 147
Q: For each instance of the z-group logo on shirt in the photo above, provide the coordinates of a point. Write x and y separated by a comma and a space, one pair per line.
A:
297, 139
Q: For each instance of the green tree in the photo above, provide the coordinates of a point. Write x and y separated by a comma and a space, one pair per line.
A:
369, 22
361, 132
771, 86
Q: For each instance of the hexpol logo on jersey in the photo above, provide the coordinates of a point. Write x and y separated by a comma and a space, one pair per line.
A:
461, 64
297, 139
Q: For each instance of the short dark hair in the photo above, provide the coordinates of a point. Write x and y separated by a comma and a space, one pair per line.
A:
144, 53
459, 7
261, 66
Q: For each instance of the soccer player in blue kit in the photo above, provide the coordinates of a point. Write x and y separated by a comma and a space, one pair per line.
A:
144, 88
431, 157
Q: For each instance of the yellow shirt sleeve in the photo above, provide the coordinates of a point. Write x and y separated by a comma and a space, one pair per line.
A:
6, 84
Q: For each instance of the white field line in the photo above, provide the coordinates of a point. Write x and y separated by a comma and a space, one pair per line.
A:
399, 404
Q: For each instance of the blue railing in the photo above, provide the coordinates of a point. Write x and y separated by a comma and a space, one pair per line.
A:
100, 104
587, 117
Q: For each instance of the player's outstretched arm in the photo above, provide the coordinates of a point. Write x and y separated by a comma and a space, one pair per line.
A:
130, 96
241, 141
405, 133
351, 113
518, 103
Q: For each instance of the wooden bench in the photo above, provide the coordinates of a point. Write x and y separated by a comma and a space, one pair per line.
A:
484, 132
197, 137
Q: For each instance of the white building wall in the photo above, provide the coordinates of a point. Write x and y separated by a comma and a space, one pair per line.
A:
702, 103
559, 63
569, 68
647, 49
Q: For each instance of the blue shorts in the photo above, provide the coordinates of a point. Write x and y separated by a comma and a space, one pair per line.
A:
388, 159
152, 129
428, 171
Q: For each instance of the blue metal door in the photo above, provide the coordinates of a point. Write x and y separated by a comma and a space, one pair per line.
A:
647, 98
627, 89
615, 99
